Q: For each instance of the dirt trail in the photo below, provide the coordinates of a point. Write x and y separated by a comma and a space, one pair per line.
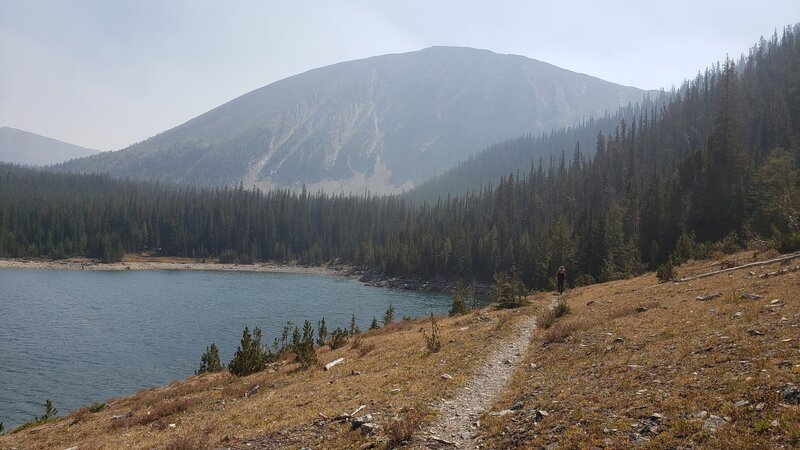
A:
456, 423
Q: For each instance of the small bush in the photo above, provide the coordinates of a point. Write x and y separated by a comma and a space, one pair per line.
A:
250, 356
546, 319
402, 429
561, 309
186, 443
433, 342
364, 349
388, 316
666, 272
49, 411
209, 361
339, 338
508, 291
461, 295
559, 332
80, 415
96, 407
304, 349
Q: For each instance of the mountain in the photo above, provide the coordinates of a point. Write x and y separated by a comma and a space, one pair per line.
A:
22, 147
384, 123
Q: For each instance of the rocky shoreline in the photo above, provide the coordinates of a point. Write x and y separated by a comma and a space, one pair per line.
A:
371, 278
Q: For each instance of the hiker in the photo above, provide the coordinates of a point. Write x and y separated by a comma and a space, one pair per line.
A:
561, 274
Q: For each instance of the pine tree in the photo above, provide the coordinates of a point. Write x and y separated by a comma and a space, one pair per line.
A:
250, 356
354, 330
388, 316
374, 325
209, 361
322, 333
306, 355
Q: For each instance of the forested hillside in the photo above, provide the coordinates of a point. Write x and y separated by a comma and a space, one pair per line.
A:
717, 163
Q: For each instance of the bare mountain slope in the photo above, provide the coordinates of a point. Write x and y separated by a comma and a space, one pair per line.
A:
384, 123
22, 147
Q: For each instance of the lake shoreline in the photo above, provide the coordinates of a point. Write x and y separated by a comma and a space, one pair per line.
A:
142, 263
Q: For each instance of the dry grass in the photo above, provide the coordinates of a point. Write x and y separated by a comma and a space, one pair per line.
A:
389, 371
632, 348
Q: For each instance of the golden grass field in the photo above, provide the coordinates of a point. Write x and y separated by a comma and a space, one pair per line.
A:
609, 374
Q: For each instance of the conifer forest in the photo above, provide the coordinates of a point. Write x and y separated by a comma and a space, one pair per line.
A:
714, 166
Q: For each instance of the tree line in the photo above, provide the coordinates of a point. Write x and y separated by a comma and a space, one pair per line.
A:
714, 167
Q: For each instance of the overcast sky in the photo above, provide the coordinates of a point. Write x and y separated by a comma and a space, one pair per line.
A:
105, 74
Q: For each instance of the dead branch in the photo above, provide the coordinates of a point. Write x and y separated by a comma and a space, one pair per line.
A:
744, 266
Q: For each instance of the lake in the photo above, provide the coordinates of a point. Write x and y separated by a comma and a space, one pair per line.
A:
77, 337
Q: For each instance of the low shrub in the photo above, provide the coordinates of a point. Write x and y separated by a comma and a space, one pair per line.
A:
666, 272
432, 342
559, 332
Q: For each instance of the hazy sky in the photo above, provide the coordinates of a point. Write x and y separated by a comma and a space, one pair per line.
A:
105, 74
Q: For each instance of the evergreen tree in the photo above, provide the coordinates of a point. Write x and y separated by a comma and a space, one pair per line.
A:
388, 316
209, 361
250, 356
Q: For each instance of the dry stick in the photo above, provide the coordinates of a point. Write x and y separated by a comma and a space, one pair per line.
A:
760, 263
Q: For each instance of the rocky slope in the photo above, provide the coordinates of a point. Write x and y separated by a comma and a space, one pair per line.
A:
384, 123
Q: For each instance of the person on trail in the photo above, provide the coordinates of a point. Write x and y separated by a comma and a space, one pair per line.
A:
561, 274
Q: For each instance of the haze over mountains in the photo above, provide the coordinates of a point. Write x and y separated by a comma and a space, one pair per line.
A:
22, 147
382, 124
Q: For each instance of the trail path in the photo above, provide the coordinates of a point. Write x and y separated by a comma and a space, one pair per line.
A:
455, 426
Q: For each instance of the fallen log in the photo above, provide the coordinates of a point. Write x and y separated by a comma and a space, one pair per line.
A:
333, 363
123, 416
759, 263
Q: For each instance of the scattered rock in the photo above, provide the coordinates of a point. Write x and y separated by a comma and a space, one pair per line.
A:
502, 413
785, 365
776, 301
741, 403
533, 366
774, 424
447, 376
700, 415
123, 416
755, 333
355, 373
713, 423
641, 309
618, 340
704, 298
172, 425
747, 296
539, 414
791, 393
590, 303
737, 314
367, 446
369, 429
518, 405
760, 406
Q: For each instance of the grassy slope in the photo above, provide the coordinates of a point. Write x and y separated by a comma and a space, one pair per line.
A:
678, 358
617, 366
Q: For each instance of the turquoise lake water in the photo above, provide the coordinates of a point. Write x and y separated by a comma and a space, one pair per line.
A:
77, 337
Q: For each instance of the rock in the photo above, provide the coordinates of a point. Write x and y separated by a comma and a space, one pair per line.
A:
656, 416
755, 333
533, 366
618, 340
502, 413
538, 414
369, 429
518, 405
367, 446
590, 302
741, 403
447, 376
737, 314
704, 298
355, 373
508, 362
641, 309
760, 406
791, 393
700, 415
713, 423
785, 365
775, 302
774, 424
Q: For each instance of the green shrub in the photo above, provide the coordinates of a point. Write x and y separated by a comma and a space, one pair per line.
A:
388, 316
339, 338
209, 361
322, 333
49, 411
666, 272
374, 325
460, 296
561, 309
508, 291
790, 242
96, 407
250, 356
304, 348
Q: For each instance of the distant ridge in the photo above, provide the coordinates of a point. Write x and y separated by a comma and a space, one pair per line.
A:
23, 147
382, 124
